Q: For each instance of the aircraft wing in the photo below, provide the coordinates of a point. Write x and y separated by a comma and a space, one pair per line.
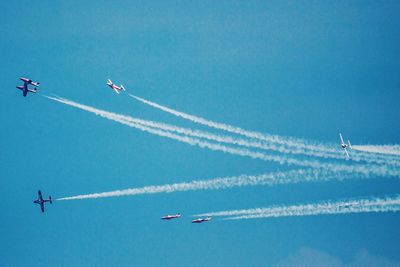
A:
116, 91
341, 138
42, 207
40, 195
109, 81
32, 91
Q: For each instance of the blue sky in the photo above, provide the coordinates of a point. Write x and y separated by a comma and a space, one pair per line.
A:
296, 68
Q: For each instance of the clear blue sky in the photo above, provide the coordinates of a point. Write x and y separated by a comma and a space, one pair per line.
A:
297, 68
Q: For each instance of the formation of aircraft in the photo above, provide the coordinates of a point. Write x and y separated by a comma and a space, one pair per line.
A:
25, 88
345, 146
116, 88
170, 217
41, 201
200, 220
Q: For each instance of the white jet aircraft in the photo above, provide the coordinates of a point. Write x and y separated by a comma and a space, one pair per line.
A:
116, 88
169, 217
200, 220
344, 146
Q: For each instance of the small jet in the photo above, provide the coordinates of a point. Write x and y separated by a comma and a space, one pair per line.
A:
345, 146
29, 81
41, 201
169, 217
25, 89
200, 220
116, 88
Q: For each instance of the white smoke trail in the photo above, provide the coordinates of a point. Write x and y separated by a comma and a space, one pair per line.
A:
269, 179
268, 142
338, 207
295, 142
363, 169
381, 149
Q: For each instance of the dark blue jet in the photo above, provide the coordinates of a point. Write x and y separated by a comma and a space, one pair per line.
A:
24, 88
41, 201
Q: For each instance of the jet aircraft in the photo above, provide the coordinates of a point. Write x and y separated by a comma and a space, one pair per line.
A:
25, 89
41, 201
116, 88
200, 220
169, 217
29, 81
345, 146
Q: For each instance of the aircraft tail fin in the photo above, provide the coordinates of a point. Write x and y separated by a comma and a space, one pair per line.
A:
51, 201
122, 87
349, 144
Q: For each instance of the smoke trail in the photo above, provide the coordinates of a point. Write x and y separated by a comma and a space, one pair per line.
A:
268, 142
295, 142
257, 144
187, 131
328, 207
384, 149
363, 169
270, 179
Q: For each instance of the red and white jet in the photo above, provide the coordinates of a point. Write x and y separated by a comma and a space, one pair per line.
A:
116, 88
200, 220
345, 146
169, 217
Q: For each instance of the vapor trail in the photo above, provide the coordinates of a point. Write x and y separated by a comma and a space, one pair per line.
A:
329, 207
383, 149
355, 168
189, 132
268, 142
295, 142
270, 179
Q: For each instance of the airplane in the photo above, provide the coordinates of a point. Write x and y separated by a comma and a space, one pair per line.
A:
116, 88
41, 201
200, 220
169, 217
344, 146
29, 81
24, 88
